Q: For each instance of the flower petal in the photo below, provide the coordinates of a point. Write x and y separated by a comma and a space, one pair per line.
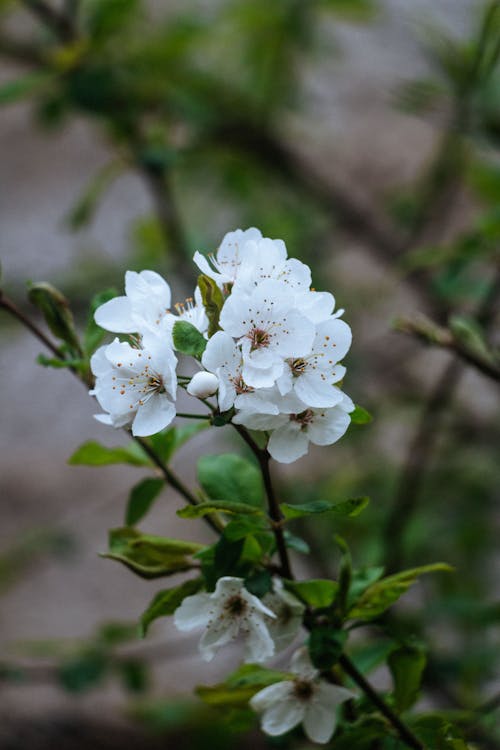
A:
271, 694
154, 415
282, 717
194, 612
319, 721
116, 316
288, 443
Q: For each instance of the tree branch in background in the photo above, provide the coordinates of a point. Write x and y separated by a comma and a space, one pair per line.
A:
59, 23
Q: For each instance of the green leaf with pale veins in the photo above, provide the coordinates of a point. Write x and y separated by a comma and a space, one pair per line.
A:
231, 477
187, 339
216, 506
382, 594
166, 602
141, 498
351, 507
150, 556
93, 453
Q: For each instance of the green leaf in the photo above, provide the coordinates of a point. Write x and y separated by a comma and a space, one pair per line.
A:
141, 498
134, 674
360, 415
187, 339
212, 302
166, 602
381, 595
231, 477
84, 671
92, 453
325, 646
296, 542
345, 574
239, 687
242, 527
214, 506
318, 592
407, 665
259, 583
55, 309
150, 556
351, 507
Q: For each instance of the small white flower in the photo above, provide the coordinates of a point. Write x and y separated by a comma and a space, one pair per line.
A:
269, 330
136, 386
226, 612
288, 610
143, 308
307, 699
203, 385
226, 262
191, 311
297, 425
312, 377
224, 358
267, 259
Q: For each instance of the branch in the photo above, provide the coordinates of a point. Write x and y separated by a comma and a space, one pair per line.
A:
431, 333
60, 24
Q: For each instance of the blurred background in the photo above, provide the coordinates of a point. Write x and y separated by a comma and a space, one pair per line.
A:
366, 134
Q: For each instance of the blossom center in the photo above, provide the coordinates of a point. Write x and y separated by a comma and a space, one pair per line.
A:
297, 366
155, 383
235, 605
303, 690
259, 339
240, 386
305, 418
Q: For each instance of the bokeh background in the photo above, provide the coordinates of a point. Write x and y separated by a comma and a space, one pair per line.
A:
366, 135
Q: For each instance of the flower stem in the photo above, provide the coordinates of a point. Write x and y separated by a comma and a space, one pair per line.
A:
193, 416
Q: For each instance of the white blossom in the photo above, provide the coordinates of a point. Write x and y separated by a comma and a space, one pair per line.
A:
306, 700
288, 610
225, 613
224, 265
267, 259
202, 385
143, 308
313, 376
297, 425
135, 386
269, 330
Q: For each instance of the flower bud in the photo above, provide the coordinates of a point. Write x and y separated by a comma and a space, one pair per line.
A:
203, 384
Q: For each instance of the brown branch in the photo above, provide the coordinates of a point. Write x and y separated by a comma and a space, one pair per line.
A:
59, 23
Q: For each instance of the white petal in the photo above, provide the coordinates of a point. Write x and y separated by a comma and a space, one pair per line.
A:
314, 391
220, 351
301, 664
288, 443
259, 645
329, 426
260, 421
154, 415
271, 694
218, 633
116, 316
194, 612
282, 717
333, 339
319, 721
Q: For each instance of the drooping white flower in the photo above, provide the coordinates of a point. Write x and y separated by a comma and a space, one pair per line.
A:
136, 387
224, 358
288, 610
306, 700
225, 613
268, 328
297, 425
312, 378
143, 308
203, 385
227, 260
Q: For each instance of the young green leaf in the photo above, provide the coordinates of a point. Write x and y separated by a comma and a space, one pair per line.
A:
214, 506
150, 556
141, 498
240, 686
351, 507
167, 442
92, 453
407, 665
166, 602
212, 302
231, 477
382, 594
360, 415
55, 309
187, 339
318, 592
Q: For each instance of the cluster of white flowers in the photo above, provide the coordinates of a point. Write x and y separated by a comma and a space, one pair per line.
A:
267, 626
275, 360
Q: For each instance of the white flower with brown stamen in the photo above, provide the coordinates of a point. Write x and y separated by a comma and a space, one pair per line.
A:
306, 700
268, 328
224, 265
135, 386
227, 612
